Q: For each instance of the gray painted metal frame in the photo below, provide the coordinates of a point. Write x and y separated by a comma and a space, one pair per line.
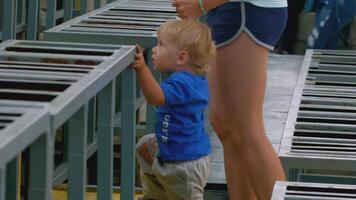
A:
320, 131
82, 87
123, 22
13, 19
22, 127
312, 191
86, 70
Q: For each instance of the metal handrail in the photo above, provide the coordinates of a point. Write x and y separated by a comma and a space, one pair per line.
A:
65, 98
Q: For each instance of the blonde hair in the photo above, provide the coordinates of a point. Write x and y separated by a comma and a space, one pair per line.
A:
193, 37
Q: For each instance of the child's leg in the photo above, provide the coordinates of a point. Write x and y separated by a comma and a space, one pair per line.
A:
184, 180
152, 188
146, 150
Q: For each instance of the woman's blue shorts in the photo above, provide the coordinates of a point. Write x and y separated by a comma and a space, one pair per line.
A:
263, 25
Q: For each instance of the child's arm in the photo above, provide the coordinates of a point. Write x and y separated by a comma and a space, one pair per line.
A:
150, 88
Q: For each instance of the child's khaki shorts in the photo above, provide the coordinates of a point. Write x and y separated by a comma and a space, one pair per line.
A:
178, 180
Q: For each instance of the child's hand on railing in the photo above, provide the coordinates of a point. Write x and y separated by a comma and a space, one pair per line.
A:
139, 62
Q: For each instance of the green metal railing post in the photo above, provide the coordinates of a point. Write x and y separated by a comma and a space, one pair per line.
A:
128, 134
11, 179
106, 108
2, 183
32, 19
68, 9
21, 11
51, 13
83, 7
77, 158
97, 4
91, 120
41, 168
9, 19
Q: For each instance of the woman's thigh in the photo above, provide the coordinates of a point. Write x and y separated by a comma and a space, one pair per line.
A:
237, 81
244, 34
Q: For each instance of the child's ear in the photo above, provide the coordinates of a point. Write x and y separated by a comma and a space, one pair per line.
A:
182, 57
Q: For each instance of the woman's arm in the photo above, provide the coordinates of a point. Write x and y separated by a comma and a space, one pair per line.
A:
191, 8
150, 88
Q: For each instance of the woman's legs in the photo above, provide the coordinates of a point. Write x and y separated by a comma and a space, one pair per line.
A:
237, 84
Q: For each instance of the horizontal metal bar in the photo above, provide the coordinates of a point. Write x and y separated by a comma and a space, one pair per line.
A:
149, 15
31, 81
68, 45
332, 78
106, 31
36, 77
127, 18
330, 95
327, 120
22, 55
324, 134
47, 63
323, 154
320, 88
321, 193
45, 68
327, 108
43, 73
324, 126
4, 124
333, 52
329, 101
29, 92
6, 118
336, 72
324, 139
60, 50
119, 22
123, 26
333, 67
151, 9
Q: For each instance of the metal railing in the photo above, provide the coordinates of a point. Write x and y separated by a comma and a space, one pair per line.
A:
124, 22
22, 127
23, 15
320, 132
312, 191
12, 18
65, 77
121, 22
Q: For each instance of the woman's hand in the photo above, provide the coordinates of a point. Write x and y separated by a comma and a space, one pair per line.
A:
191, 8
139, 62
187, 8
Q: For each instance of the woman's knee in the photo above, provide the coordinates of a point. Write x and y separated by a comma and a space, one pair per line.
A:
224, 127
237, 127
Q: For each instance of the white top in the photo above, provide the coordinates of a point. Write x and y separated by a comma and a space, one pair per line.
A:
267, 3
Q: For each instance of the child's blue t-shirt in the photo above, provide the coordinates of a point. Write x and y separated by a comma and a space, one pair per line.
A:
180, 122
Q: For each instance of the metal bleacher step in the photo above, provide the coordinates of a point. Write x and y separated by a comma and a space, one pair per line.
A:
320, 132
313, 191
